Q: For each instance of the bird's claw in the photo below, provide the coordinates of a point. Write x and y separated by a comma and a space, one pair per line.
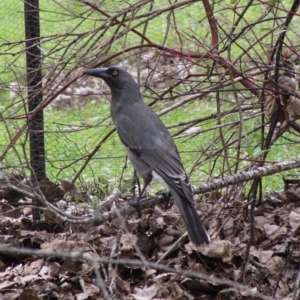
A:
136, 203
167, 196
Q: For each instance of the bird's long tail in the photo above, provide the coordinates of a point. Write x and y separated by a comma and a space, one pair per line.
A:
195, 228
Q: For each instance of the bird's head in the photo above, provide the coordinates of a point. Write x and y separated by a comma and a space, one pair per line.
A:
115, 77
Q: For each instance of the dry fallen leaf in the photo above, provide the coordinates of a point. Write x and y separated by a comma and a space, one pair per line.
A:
263, 256
218, 249
294, 218
146, 293
274, 232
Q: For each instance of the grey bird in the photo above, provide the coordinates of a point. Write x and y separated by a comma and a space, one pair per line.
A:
150, 146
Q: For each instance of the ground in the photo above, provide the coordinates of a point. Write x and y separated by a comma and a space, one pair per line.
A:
147, 258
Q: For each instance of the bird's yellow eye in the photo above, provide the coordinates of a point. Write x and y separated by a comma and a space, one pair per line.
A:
115, 73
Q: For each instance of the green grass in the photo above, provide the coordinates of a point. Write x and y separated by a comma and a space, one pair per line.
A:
61, 17
67, 140
72, 133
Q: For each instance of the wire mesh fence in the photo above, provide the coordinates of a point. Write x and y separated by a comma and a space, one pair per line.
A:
204, 81
222, 76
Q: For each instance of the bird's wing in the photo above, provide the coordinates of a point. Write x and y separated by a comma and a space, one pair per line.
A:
155, 147
165, 161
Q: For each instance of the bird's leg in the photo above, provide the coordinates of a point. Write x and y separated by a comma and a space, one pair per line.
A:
167, 196
134, 180
136, 203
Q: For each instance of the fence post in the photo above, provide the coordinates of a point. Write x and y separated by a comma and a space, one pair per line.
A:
34, 90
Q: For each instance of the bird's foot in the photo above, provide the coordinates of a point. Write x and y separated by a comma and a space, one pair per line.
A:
167, 196
136, 203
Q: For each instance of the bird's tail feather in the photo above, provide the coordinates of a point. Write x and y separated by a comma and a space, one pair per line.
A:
195, 228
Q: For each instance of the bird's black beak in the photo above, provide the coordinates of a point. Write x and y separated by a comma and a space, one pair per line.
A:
99, 72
